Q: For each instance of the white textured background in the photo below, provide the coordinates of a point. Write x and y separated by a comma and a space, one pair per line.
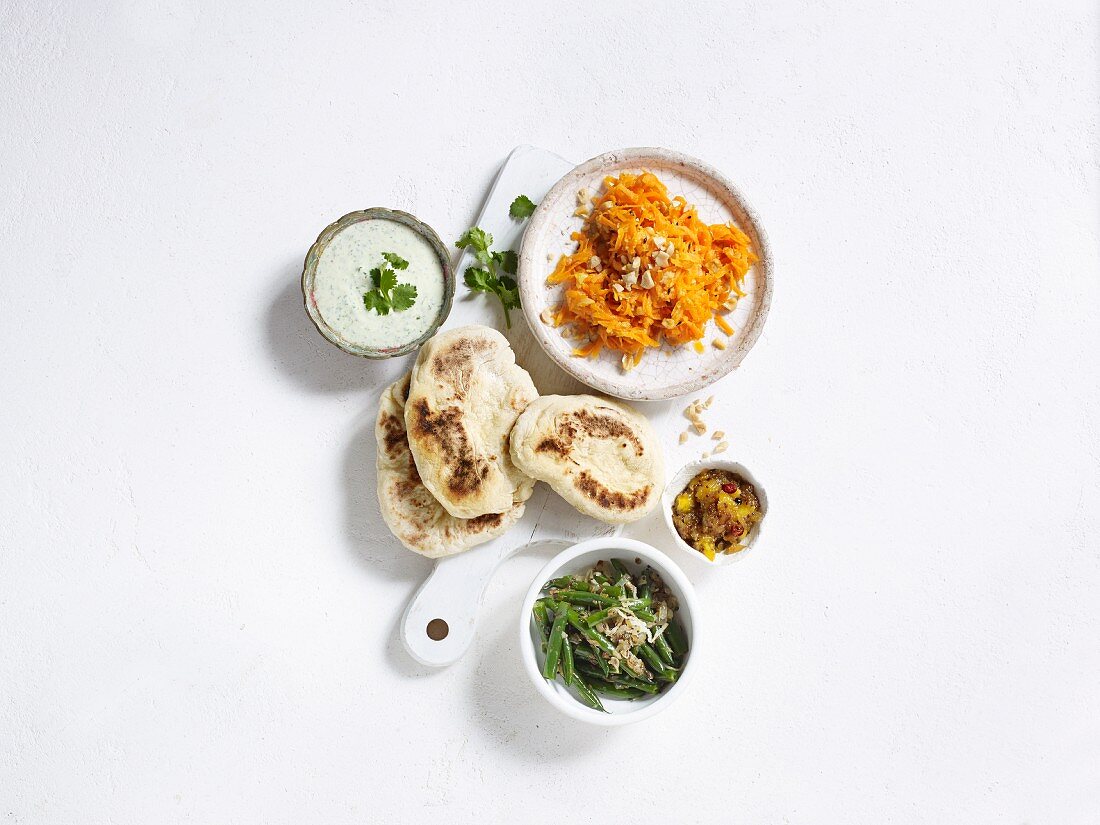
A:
196, 624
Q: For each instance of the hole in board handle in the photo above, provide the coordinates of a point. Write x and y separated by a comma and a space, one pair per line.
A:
437, 630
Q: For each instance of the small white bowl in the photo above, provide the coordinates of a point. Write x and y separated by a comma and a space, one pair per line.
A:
580, 557
680, 481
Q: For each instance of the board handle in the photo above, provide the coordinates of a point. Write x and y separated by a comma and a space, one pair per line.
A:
441, 619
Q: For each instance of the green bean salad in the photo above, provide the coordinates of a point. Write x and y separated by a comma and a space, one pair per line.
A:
609, 632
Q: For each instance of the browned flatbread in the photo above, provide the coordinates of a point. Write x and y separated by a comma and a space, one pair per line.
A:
408, 508
466, 393
597, 454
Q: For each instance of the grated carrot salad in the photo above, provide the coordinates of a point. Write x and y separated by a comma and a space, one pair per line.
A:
648, 271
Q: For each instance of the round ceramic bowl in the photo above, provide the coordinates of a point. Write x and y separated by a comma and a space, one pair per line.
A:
676, 486
669, 371
310, 270
580, 557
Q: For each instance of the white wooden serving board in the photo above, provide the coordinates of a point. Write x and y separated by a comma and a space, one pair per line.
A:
454, 590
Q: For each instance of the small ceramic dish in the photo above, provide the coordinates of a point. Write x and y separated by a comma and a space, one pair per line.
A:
580, 557
310, 271
669, 371
676, 486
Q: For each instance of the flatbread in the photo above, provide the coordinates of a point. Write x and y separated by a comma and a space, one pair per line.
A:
465, 395
417, 520
599, 455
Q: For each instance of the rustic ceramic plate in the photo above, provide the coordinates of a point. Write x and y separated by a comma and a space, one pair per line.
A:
670, 371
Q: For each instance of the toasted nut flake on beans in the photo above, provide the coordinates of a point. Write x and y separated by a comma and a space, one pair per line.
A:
684, 437
722, 447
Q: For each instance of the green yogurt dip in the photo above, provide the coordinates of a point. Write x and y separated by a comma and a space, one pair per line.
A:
342, 276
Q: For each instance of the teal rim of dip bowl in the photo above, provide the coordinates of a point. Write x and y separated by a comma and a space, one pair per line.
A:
310, 271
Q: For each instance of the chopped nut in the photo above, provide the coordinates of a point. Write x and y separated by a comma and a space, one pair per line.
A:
628, 362
660, 259
582, 196
719, 343
684, 437
636, 263
722, 447
580, 212
699, 426
595, 262
607, 204
647, 280
617, 287
709, 402
718, 435
547, 316
705, 455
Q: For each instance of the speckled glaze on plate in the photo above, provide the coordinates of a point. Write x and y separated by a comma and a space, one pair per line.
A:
333, 229
669, 371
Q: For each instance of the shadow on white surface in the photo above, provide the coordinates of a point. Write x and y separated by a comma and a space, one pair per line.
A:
504, 702
303, 356
371, 543
367, 535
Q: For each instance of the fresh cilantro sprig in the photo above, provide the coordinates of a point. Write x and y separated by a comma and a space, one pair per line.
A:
387, 294
486, 277
522, 207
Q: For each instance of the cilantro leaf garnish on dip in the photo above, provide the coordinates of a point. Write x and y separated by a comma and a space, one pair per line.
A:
387, 293
359, 294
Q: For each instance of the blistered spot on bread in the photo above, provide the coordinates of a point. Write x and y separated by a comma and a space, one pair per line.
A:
611, 499
485, 522
455, 363
608, 426
393, 435
594, 425
411, 485
561, 442
466, 471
